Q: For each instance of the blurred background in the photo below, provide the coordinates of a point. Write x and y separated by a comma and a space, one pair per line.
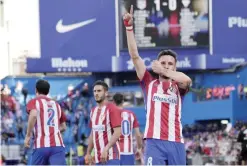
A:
72, 43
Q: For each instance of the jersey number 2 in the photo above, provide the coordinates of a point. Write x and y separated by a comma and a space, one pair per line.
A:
125, 127
51, 114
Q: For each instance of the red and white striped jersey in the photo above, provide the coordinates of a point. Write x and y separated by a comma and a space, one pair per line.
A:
102, 122
49, 117
128, 123
163, 106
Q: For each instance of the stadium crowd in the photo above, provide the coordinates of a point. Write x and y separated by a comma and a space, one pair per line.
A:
219, 92
210, 144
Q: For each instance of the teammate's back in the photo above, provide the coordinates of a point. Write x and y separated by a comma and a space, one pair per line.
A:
49, 117
45, 122
129, 124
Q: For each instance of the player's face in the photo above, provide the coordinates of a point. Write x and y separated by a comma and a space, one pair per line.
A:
99, 93
168, 62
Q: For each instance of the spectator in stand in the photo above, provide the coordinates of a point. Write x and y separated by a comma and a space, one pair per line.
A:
242, 138
215, 92
245, 91
209, 94
221, 92
241, 91
8, 101
228, 90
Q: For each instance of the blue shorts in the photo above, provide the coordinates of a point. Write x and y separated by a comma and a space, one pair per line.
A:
49, 156
110, 162
160, 152
127, 159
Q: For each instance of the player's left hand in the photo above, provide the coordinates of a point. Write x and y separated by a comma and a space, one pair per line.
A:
138, 154
104, 155
157, 67
27, 142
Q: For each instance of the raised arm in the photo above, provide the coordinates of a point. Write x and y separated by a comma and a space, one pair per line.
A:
132, 47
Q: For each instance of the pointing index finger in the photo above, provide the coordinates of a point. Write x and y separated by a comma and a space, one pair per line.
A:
131, 10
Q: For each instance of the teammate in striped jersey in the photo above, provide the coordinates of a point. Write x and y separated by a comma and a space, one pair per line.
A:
105, 122
128, 123
163, 98
47, 121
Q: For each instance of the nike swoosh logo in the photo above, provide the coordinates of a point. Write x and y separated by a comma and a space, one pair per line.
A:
67, 28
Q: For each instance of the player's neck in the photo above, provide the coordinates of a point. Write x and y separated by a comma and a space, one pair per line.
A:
41, 95
102, 104
120, 107
161, 79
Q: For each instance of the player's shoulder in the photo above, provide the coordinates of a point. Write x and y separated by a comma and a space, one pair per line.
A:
93, 108
32, 101
110, 105
41, 98
129, 112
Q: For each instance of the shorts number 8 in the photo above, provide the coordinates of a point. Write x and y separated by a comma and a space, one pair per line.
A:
150, 160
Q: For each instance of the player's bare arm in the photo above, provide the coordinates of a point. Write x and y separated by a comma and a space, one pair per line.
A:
113, 140
132, 47
138, 138
90, 143
89, 148
31, 122
183, 80
63, 127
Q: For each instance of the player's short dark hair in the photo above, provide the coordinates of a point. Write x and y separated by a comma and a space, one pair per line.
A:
102, 83
167, 53
42, 87
118, 98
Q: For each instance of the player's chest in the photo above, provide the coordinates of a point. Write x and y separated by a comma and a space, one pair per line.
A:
165, 92
100, 120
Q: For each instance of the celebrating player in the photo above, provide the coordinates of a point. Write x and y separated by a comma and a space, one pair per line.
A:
105, 122
163, 97
128, 123
47, 120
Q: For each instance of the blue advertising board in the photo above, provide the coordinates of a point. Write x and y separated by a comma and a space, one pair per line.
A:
229, 22
75, 34
186, 60
80, 35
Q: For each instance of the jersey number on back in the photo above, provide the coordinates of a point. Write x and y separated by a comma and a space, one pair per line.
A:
51, 114
125, 126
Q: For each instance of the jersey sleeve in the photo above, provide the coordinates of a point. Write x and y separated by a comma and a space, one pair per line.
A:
136, 123
63, 117
90, 121
31, 105
115, 116
147, 78
182, 91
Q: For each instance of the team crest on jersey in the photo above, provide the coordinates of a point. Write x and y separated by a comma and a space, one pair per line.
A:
172, 90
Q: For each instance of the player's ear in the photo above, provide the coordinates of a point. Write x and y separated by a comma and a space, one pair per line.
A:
106, 93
